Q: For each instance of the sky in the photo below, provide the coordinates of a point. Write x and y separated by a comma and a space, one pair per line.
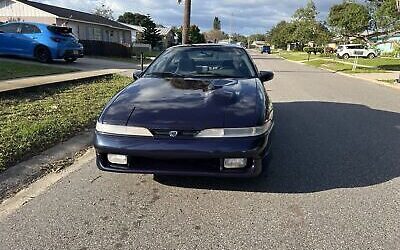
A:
238, 16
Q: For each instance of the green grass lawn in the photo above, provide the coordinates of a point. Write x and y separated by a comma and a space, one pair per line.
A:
388, 64
12, 70
340, 67
299, 56
35, 119
380, 64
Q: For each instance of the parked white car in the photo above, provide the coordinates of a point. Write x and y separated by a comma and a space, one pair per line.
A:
354, 50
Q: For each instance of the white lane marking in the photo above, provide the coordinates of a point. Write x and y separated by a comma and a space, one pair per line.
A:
40, 186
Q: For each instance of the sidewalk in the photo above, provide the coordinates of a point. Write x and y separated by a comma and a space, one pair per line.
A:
21, 83
379, 76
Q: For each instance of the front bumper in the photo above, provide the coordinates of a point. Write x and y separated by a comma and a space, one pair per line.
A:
195, 156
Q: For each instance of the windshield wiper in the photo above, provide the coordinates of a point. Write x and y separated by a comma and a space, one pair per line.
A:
166, 74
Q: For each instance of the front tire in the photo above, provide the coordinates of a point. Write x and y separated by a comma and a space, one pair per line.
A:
42, 54
346, 56
371, 56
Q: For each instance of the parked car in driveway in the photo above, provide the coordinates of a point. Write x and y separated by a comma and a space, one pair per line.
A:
196, 110
356, 50
39, 41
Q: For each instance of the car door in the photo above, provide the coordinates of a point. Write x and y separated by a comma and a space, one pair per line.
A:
28, 39
359, 50
350, 50
8, 33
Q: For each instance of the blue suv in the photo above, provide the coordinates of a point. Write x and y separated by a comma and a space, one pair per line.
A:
39, 41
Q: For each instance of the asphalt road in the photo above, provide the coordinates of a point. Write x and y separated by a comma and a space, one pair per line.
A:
333, 183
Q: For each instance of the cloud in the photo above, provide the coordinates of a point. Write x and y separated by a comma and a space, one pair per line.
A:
245, 17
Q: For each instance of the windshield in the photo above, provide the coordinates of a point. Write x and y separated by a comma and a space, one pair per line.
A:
222, 62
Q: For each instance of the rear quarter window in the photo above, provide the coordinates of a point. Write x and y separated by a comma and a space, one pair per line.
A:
10, 28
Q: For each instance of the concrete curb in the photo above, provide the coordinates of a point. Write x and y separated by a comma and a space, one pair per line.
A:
348, 75
22, 83
21, 175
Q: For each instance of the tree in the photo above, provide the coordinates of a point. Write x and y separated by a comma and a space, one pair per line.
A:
215, 35
308, 13
302, 29
133, 18
103, 10
349, 18
307, 28
281, 34
216, 24
150, 35
379, 17
195, 36
186, 20
257, 37
238, 38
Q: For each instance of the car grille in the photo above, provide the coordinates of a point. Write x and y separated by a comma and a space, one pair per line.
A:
172, 165
180, 133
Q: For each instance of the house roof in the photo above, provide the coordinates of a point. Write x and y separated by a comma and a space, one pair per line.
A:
74, 14
134, 27
163, 31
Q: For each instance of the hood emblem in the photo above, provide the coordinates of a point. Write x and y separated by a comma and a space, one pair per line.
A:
173, 134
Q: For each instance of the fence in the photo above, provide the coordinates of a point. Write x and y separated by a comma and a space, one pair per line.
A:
107, 49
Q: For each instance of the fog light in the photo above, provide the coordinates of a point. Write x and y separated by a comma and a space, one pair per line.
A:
235, 163
117, 159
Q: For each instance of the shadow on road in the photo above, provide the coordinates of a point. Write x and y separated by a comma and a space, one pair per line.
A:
321, 146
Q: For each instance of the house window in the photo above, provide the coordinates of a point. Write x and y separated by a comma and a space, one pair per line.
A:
97, 34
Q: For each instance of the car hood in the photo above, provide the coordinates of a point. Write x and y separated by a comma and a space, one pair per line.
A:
185, 104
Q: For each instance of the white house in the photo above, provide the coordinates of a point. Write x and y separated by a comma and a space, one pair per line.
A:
167, 34
84, 25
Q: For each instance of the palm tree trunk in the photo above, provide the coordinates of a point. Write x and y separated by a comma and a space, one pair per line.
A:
186, 22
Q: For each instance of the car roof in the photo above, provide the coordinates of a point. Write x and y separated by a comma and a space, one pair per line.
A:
32, 23
207, 45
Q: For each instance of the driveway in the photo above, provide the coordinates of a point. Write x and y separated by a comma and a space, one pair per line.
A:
333, 183
86, 64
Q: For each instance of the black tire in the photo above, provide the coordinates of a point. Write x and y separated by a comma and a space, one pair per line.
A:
371, 56
70, 59
42, 54
346, 56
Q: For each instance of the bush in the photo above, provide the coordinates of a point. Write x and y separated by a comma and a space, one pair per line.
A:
308, 50
330, 50
314, 50
107, 49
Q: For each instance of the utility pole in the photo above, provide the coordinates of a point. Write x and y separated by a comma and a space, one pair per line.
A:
186, 20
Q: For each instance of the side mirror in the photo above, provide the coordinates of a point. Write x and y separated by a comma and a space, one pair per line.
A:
137, 74
266, 76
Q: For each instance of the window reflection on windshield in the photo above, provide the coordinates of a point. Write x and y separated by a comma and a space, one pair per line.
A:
216, 62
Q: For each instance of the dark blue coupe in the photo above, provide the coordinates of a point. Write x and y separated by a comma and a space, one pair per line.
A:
196, 110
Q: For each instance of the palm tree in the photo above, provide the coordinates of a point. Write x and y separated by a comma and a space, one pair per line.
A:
186, 20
